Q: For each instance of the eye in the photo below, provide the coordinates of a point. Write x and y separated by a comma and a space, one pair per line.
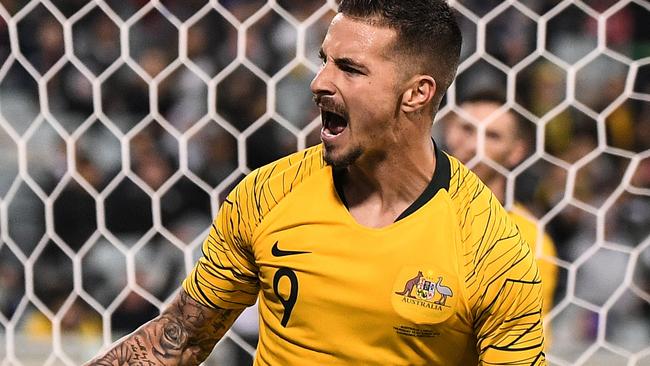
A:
492, 135
350, 70
468, 128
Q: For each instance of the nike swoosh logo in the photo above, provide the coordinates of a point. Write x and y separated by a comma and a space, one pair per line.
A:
277, 252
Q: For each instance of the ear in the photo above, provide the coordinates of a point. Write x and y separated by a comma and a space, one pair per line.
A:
420, 92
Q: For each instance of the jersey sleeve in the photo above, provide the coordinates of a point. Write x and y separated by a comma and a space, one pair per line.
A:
531, 234
503, 283
226, 274
548, 272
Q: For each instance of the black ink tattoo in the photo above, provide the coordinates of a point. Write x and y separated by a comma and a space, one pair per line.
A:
184, 334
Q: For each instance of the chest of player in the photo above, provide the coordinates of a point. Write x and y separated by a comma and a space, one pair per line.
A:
322, 273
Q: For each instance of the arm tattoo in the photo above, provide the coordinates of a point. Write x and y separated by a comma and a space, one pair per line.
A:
184, 334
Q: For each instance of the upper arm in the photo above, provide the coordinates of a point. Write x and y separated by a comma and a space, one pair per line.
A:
508, 324
506, 293
548, 271
226, 274
544, 249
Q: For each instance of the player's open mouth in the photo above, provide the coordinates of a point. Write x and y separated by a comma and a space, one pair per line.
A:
333, 123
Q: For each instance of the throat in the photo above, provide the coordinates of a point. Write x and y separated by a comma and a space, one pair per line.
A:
370, 206
378, 200
375, 217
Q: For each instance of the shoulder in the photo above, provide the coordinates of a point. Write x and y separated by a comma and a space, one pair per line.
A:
464, 186
490, 239
471, 198
284, 174
523, 219
303, 162
263, 188
500, 274
530, 230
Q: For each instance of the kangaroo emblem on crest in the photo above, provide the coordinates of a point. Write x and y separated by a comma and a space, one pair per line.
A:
410, 285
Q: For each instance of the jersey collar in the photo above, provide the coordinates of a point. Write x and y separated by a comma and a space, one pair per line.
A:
440, 180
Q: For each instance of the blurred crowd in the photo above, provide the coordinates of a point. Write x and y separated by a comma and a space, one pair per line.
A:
114, 156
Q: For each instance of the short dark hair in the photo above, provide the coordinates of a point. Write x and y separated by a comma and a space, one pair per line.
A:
484, 96
524, 130
425, 29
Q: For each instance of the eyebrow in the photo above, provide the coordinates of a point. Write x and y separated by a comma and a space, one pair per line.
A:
344, 61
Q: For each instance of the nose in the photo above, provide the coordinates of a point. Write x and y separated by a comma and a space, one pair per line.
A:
322, 83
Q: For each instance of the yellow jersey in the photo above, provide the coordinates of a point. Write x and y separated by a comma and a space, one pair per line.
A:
451, 282
548, 271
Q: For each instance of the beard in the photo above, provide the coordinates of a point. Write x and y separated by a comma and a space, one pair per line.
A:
342, 160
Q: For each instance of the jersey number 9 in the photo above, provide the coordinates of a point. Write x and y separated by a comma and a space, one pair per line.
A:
290, 301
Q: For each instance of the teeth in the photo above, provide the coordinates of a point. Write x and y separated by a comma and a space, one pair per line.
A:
334, 123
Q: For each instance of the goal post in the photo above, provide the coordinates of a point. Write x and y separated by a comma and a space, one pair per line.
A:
123, 125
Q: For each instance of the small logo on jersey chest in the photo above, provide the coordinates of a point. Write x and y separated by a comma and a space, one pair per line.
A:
421, 290
424, 296
277, 252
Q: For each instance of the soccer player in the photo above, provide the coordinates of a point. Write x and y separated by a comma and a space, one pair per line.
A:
374, 247
507, 143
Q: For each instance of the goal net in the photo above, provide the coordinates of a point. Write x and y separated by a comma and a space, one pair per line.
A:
124, 123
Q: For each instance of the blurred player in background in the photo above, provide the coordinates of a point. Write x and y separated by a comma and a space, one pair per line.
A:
374, 247
508, 141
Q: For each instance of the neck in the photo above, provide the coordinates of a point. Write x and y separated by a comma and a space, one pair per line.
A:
379, 188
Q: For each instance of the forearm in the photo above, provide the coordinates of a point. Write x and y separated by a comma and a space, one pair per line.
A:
159, 342
184, 334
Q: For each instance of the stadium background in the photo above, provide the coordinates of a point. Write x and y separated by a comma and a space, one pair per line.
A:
123, 124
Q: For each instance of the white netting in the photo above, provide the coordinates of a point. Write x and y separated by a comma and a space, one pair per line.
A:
123, 123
